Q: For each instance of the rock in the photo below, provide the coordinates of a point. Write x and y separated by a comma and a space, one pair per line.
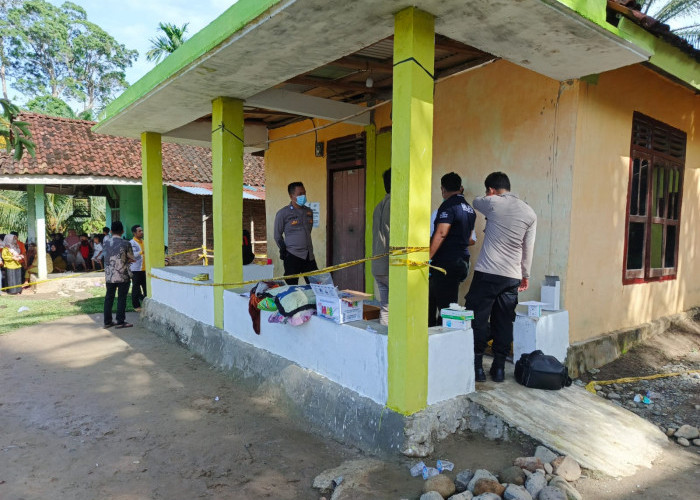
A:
566, 467
687, 432
529, 463
535, 483
487, 496
548, 468
462, 480
488, 486
480, 474
527, 473
440, 483
512, 475
579, 382
431, 495
597, 387
514, 492
570, 492
465, 495
613, 395
551, 493
683, 441
602, 394
545, 454
349, 470
670, 431
696, 442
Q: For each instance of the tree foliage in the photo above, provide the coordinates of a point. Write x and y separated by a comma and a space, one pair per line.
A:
56, 51
49, 105
684, 15
171, 38
14, 134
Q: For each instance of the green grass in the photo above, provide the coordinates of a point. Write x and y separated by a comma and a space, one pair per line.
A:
43, 310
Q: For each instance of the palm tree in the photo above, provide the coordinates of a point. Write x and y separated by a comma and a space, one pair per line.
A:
14, 134
173, 36
682, 13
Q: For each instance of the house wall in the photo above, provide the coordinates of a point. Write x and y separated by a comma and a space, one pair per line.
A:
596, 298
503, 117
130, 208
185, 224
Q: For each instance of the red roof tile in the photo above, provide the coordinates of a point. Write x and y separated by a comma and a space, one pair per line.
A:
69, 147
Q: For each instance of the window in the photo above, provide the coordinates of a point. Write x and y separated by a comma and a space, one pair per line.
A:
654, 201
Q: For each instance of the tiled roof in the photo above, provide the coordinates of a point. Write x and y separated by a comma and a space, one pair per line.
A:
631, 10
69, 147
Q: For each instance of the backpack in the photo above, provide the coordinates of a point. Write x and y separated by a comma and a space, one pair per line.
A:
540, 371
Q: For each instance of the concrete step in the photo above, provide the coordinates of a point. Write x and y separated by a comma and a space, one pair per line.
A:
600, 435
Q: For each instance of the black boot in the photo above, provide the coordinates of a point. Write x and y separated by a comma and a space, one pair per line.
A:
497, 370
479, 373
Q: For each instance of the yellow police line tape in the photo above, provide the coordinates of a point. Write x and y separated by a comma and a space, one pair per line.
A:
76, 275
392, 253
590, 386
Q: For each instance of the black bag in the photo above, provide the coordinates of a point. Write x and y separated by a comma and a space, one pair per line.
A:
540, 371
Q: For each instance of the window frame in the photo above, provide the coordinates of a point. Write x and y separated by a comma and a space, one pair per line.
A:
656, 159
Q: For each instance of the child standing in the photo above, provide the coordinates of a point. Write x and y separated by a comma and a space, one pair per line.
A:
97, 253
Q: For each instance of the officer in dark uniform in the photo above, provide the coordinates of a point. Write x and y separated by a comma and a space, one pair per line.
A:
449, 246
293, 225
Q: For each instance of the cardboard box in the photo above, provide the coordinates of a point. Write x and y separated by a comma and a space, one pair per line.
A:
370, 312
550, 293
340, 306
457, 319
534, 308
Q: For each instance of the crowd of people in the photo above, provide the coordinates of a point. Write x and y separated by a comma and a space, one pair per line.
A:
501, 271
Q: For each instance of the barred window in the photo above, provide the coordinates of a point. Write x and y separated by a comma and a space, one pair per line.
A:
657, 159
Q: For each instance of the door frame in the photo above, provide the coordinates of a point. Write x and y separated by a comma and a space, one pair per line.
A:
335, 167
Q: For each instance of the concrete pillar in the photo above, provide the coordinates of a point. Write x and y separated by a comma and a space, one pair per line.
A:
36, 225
227, 181
152, 195
411, 166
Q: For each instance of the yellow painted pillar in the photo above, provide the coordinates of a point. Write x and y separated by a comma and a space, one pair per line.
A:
411, 166
227, 177
152, 194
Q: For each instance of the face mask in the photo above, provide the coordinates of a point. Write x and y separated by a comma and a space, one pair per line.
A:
301, 200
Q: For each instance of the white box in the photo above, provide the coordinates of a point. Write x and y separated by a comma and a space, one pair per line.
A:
459, 319
550, 293
340, 306
549, 334
534, 308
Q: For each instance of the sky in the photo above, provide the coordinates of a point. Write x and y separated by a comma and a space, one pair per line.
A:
134, 22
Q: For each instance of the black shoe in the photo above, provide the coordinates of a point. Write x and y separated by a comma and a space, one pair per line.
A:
479, 373
497, 374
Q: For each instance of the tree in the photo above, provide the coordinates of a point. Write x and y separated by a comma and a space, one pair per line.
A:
49, 105
14, 134
5, 31
56, 51
172, 37
682, 13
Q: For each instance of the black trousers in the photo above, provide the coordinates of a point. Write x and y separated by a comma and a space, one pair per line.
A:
138, 288
122, 290
444, 288
495, 297
296, 265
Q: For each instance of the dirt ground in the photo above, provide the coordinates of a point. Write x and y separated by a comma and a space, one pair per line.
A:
89, 413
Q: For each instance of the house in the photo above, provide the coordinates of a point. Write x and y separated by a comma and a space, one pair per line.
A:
71, 159
590, 107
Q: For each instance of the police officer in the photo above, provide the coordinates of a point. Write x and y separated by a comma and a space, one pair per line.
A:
293, 225
448, 247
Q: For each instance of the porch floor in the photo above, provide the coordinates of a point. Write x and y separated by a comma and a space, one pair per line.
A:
597, 433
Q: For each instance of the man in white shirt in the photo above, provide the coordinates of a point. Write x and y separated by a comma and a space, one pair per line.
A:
502, 270
138, 268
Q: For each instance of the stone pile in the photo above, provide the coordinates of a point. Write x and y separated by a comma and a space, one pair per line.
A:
545, 476
685, 435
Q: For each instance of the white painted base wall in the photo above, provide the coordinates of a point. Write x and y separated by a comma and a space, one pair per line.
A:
195, 301
549, 334
450, 363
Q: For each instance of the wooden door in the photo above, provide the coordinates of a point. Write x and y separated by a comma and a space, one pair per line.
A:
346, 178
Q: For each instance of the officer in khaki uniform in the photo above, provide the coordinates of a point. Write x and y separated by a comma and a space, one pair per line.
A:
293, 225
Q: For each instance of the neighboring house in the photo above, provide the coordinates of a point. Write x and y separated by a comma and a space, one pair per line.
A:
592, 115
71, 159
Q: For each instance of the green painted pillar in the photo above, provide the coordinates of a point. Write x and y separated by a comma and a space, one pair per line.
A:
227, 177
40, 230
411, 167
152, 195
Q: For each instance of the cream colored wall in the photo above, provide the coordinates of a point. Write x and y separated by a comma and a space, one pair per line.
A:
597, 300
293, 160
503, 117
